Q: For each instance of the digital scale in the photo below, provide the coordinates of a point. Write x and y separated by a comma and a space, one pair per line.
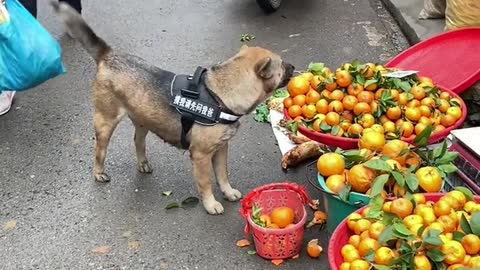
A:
467, 143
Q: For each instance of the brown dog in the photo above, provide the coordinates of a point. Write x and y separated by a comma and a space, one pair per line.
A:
127, 85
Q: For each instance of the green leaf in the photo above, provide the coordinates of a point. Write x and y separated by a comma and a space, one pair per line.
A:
386, 235
399, 178
370, 82
404, 152
379, 185
251, 252
167, 193
465, 225
424, 136
401, 229
447, 158
475, 223
370, 257
294, 127
376, 204
405, 86
433, 238
440, 266
190, 202
172, 205
448, 168
467, 192
389, 218
439, 152
454, 103
316, 68
345, 192
360, 79
420, 231
378, 164
436, 255
324, 127
280, 93
335, 130
458, 236
262, 112
412, 181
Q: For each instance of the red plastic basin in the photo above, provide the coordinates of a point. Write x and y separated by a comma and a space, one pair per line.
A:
341, 235
451, 59
352, 143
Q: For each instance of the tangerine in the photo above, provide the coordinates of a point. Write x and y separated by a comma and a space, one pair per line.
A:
361, 107
335, 182
360, 177
298, 86
294, 111
322, 106
282, 216
312, 97
330, 163
401, 207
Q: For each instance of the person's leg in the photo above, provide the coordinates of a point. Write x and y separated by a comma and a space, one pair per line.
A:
6, 99
76, 4
31, 6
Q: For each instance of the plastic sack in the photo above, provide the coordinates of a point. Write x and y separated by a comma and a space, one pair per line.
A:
462, 13
29, 55
433, 9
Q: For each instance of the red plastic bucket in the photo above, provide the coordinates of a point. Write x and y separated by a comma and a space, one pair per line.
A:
341, 235
276, 243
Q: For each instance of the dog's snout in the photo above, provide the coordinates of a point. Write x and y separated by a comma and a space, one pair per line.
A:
289, 68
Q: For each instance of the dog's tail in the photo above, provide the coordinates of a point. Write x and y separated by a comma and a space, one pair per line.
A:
80, 30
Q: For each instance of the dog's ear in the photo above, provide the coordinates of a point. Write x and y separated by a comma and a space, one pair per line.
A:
244, 46
264, 68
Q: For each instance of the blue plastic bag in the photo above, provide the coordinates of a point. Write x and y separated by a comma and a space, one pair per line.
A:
29, 55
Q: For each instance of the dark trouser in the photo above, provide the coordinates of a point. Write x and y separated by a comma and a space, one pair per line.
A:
31, 5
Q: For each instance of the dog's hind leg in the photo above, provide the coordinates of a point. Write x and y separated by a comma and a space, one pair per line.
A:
142, 161
108, 114
221, 173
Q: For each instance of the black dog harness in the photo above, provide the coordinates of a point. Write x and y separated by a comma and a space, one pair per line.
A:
197, 104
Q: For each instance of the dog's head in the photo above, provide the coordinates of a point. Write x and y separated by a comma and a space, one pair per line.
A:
269, 67
252, 75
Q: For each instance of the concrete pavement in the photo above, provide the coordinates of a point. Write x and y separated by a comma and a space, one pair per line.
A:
64, 220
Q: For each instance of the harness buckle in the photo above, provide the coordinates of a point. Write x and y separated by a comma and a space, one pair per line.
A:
190, 93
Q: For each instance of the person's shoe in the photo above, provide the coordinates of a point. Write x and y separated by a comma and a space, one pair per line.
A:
6, 99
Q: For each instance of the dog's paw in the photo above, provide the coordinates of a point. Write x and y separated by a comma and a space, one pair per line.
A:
102, 177
233, 195
144, 167
213, 207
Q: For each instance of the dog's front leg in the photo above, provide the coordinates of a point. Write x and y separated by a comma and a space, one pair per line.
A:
221, 172
202, 170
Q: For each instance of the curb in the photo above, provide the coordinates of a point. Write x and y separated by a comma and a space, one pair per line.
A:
406, 29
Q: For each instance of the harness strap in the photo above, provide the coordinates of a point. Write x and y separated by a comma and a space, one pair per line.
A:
187, 119
187, 123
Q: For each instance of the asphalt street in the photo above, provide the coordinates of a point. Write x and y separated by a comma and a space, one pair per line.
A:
52, 213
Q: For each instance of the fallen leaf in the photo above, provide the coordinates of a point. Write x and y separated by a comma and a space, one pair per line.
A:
10, 225
167, 193
296, 256
243, 243
189, 202
251, 252
101, 250
134, 245
172, 205
277, 262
